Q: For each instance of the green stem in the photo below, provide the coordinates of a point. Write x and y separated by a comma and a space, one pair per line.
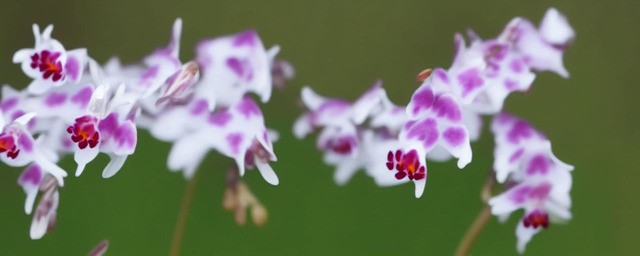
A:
481, 221
181, 223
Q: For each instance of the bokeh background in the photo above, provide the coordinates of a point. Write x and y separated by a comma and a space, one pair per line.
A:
340, 48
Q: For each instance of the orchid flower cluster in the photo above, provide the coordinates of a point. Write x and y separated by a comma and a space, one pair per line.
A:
76, 106
444, 115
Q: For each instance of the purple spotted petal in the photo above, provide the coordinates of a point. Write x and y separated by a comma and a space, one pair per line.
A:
83, 96
425, 131
125, 139
108, 126
421, 101
445, 106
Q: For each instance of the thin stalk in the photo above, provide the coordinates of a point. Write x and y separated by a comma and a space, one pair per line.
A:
181, 223
481, 221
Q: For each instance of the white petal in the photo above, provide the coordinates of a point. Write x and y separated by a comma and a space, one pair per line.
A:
302, 126
311, 99
114, 165
267, 172
420, 184
439, 154
84, 156
345, 171
171, 125
39, 86
187, 153
555, 28
50, 167
524, 235
362, 107
22, 55
24, 119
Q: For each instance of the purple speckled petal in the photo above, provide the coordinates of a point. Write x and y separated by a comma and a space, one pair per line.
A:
9, 103
539, 164
520, 130
421, 101
234, 140
246, 38
125, 139
150, 73
55, 99
445, 106
519, 194
83, 96
30, 180
248, 108
454, 136
72, 68
25, 142
425, 131
199, 107
76, 61
470, 81
31, 176
516, 156
108, 126
540, 192
441, 75
236, 66
220, 118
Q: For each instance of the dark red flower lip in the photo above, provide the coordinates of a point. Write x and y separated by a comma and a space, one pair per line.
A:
48, 64
85, 132
406, 165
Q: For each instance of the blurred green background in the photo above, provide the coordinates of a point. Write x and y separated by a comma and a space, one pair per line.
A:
340, 48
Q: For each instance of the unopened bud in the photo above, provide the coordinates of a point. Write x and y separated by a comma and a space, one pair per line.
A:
424, 74
179, 86
241, 216
229, 200
259, 215
100, 249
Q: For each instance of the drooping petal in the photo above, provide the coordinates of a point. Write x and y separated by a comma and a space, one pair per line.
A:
524, 235
45, 214
115, 164
456, 140
125, 139
187, 153
30, 180
84, 156
267, 173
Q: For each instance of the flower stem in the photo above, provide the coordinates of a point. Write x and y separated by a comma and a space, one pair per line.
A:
474, 231
181, 223
481, 221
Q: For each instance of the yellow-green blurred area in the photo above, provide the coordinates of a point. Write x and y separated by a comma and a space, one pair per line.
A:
340, 48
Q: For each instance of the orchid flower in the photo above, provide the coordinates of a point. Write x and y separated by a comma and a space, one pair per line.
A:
237, 132
340, 137
18, 148
48, 63
33, 180
434, 120
106, 126
232, 66
537, 181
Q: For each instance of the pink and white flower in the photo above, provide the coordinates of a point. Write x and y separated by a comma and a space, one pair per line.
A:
48, 63
231, 67
537, 181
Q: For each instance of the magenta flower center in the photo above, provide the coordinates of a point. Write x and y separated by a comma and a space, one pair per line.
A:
342, 146
85, 132
406, 164
48, 64
8, 146
536, 219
